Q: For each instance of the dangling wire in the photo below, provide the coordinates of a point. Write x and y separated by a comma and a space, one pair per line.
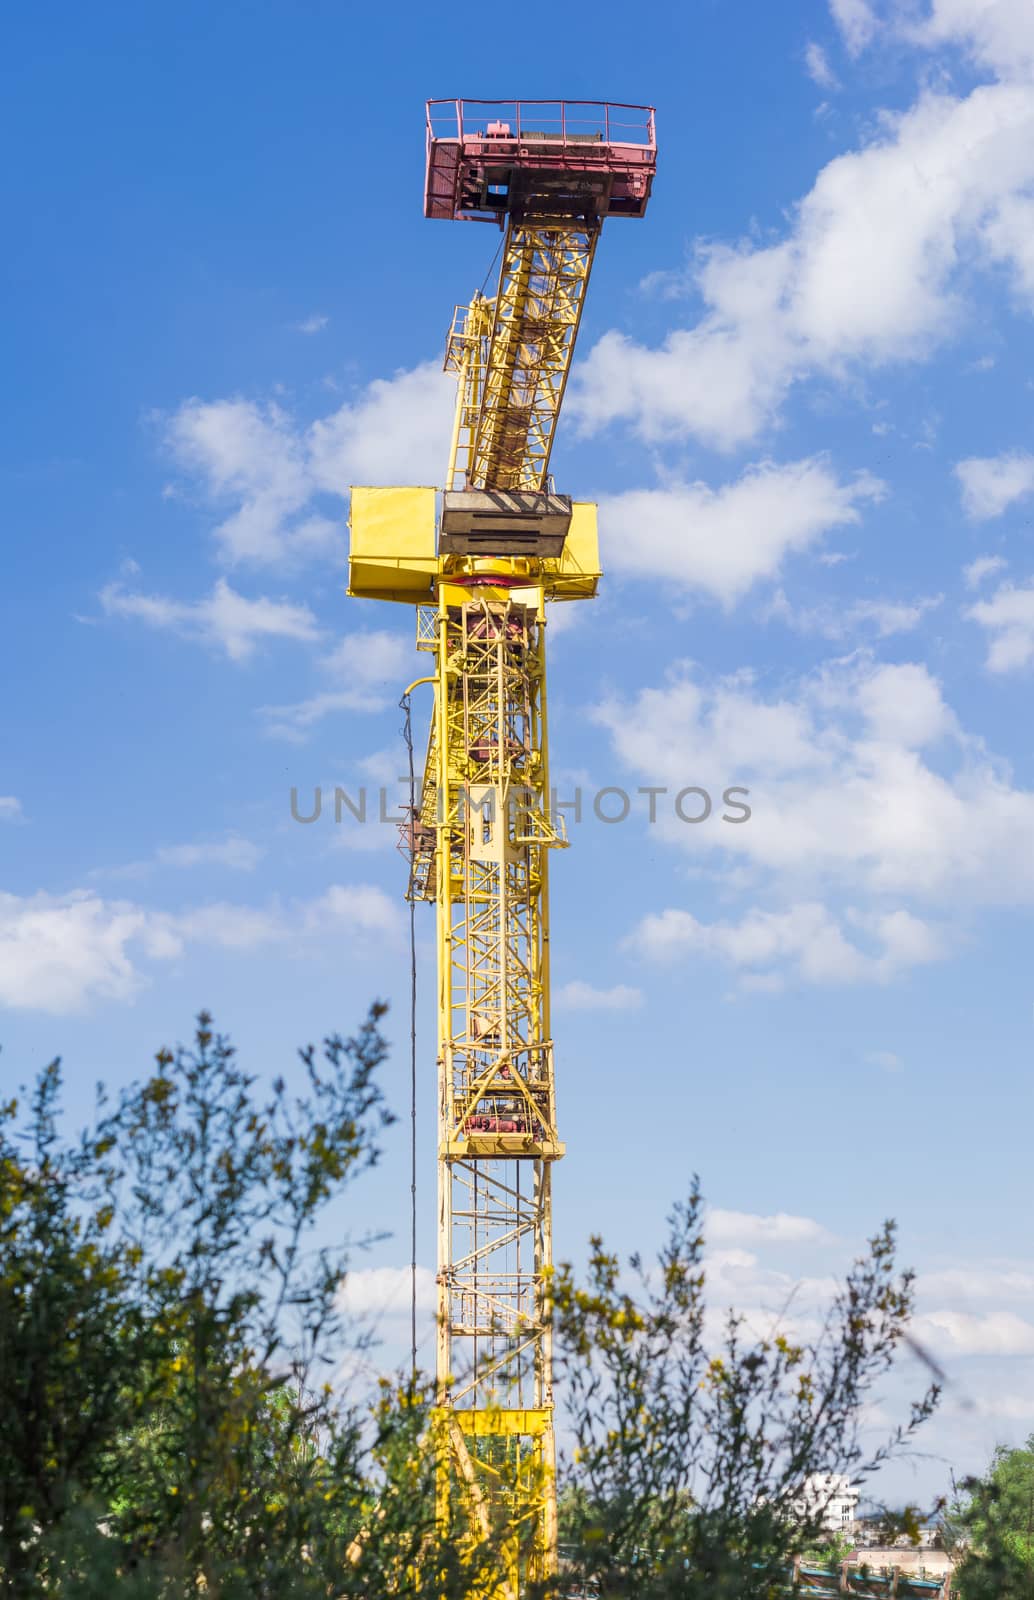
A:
407, 734
491, 264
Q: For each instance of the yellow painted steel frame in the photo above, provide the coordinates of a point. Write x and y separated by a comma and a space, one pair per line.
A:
479, 848
520, 356
497, 1102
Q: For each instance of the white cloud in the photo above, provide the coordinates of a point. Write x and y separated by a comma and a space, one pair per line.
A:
562, 617
362, 906
242, 855
861, 782
233, 852
251, 454
991, 484
225, 618
62, 953
313, 324
817, 65
10, 808
365, 672
997, 33
385, 766
1004, 1281
397, 432
856, 21
804, 939
868, 273
580, 996
831, 621
386, 1291
376, 656
961, 1333
232, 927
710, 382
876, 821
722, 541
901, 704
269, 469
756, 1263
357, 909
893, 616
1011, 1407
58, 953
983, 567
887, 1060
1009, 238
373, 835
746, 1227
1008, 617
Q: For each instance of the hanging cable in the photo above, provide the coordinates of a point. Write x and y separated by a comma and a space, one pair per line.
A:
407, 733
491, 264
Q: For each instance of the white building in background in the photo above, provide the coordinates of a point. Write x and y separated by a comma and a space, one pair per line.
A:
834, 1497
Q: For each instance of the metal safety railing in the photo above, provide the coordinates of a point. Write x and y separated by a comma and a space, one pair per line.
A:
426, 627
561, 121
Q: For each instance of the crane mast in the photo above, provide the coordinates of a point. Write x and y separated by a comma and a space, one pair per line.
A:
480, 569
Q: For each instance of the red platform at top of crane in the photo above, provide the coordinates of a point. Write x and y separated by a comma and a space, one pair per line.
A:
538, 160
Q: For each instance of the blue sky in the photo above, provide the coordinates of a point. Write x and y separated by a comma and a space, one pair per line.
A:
803, 401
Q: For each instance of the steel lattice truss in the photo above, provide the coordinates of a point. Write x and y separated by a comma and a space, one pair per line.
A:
480, 575
515, 356
482, 853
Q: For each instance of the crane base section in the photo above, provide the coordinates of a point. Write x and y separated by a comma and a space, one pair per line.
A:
503, 1459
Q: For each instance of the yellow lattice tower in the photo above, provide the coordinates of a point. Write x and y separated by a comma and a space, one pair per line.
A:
480, 567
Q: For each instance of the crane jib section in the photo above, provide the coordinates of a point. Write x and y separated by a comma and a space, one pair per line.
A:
538, 307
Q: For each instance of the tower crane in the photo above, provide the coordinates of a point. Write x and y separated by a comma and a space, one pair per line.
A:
479, 562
